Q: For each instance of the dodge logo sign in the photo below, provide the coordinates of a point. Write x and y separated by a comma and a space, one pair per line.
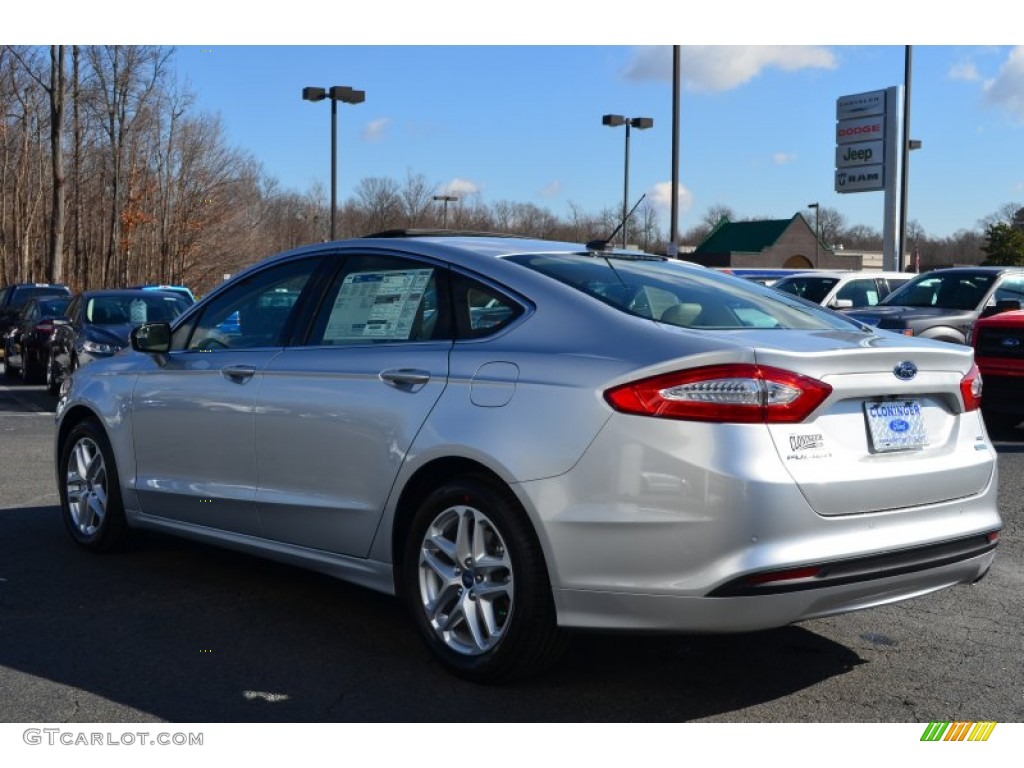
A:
905, 370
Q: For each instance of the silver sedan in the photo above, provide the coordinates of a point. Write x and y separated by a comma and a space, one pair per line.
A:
521, 437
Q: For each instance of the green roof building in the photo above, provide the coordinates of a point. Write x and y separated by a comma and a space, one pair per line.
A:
771, 243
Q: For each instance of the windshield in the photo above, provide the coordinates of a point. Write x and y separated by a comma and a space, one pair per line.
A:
687, 297
133, 309
951, 290
811, 288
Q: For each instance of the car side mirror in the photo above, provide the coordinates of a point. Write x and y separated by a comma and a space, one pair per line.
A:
841, 304
1003, 305
152, 338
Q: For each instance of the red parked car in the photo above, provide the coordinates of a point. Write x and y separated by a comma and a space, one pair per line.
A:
999, 352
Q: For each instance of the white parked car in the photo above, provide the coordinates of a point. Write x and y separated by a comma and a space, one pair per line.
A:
843, 290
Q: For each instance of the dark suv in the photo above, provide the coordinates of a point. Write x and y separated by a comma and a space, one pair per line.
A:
13, 298
945, 303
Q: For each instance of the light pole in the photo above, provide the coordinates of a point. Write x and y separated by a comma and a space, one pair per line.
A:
446, 199
335, 93
640, 123
817, 237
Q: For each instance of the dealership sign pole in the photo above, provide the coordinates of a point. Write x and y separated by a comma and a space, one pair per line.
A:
868, 157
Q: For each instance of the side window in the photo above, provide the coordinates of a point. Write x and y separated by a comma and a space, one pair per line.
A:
1011, 288
382, 299
863, 293
253, 313
481, 310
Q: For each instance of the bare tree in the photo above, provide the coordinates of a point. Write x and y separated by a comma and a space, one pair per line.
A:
126, 78
417, 195
380, 201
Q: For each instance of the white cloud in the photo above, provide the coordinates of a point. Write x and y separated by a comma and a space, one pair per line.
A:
461, 188
964, 70
783, 158
554, 189
660, 196
376, 129
1007, 89
723, 67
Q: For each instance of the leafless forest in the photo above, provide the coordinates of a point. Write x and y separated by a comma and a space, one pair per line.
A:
110, 176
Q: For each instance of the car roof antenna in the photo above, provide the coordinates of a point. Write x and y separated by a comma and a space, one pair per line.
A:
600, 245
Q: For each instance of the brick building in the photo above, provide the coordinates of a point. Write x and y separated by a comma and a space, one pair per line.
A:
773, 243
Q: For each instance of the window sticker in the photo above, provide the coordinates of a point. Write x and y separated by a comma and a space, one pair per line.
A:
377, 306
137, 311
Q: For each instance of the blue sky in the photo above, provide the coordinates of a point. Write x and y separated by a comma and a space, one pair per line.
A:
523, 122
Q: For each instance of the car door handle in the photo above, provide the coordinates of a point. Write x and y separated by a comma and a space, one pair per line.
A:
239, 373
408, 379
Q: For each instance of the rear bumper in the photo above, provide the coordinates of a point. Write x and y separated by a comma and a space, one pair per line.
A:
651, 612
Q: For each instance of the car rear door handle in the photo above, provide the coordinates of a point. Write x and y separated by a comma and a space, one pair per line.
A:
408, 379
239, 373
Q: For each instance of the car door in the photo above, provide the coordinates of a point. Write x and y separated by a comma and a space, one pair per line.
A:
338, 413
193, 412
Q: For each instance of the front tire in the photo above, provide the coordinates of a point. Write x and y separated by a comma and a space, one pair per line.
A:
476, 583
52, 381
9, 370
90, 491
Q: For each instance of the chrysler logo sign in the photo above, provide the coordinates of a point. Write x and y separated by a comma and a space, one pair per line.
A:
905, 370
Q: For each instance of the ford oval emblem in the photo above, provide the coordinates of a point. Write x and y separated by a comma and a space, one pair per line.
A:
905, 370
1010, 342
899, 425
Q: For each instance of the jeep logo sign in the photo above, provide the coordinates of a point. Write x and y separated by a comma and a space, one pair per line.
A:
868, 153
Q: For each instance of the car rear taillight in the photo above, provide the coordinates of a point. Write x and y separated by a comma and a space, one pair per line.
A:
970, 389
46, 326
739, 393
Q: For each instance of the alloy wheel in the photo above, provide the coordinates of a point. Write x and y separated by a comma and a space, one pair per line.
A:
86, 486
466, 581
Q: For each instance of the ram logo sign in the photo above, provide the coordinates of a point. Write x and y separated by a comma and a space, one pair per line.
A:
866, 179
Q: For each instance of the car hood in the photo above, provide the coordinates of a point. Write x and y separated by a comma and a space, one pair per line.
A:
116, 335
876, 315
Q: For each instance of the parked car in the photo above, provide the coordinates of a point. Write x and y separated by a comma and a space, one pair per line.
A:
944, 304
27, 344
181, 290
998, 342
522, 437
97, 324
13, 298
842, 289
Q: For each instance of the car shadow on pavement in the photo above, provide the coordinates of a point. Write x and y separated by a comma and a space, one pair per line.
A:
178, 631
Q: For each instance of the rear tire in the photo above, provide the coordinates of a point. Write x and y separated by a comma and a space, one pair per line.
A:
474, 578
90, 490
31, 371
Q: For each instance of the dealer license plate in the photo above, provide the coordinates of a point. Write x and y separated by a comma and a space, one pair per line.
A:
895, 425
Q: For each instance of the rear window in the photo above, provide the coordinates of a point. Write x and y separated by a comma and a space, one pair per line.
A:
811, 288
949, 290
675, 294
23, 293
